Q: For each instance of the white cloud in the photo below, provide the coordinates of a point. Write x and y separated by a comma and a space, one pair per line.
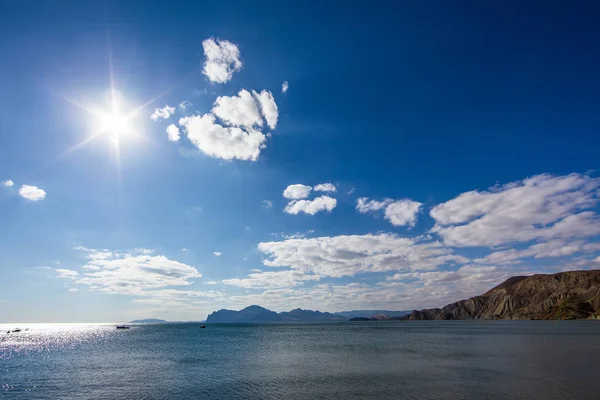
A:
325, 187
32, 193
364, 205
216, 253
66, 273
398, 212
297, 191
142, 251
239, 135
73, 290
267, 203
348, 255
284, 87
271, 279
553, 248
241, 110
321, 203
117, 272
222, 60
247, 109
184, 105
402, 212
173, 133
162, 113
541, 207
218, 141
268, 107
8, 183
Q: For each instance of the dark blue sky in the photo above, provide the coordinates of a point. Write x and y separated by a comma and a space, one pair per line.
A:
387, 100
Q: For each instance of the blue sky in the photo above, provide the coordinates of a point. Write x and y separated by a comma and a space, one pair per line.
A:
420, 154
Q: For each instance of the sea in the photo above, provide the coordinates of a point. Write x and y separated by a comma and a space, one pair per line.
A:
349, 360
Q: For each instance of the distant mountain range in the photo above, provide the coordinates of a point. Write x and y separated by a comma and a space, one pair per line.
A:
148, 321
260, 314
372, 314
566, 295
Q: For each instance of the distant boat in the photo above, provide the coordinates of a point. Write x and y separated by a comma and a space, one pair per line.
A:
202, 326
122, 327
16, 330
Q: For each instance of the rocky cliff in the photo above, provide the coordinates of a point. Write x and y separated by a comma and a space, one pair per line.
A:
566, 295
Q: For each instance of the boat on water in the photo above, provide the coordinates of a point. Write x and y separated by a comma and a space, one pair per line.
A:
16, 330
122, 327
202, 326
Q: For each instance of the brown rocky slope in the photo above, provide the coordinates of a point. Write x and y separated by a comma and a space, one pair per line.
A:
566, 295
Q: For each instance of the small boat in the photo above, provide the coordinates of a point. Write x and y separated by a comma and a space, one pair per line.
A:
202, 326
122, 327
16, 330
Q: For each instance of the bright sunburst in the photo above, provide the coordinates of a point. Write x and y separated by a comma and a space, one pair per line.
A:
115, 124
115, 119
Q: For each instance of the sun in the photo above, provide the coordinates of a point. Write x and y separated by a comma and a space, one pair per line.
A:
115, 124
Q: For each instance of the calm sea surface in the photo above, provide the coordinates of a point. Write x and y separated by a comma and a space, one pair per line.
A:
393, 360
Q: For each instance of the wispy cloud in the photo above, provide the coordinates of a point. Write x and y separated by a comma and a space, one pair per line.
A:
131, 272
541, 207
162, 113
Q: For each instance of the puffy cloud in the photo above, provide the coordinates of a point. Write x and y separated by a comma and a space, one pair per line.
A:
173, 133
239, 135
284, 86
8, 183
325, 187
116, 272
223, 142
222, 60
297, 191
32, 193
73, 290
348, 255
241, 110
398, 212
267, 203
216, 253
162, 113
321, 203
402, 212
271, 279
268, 107
540, 207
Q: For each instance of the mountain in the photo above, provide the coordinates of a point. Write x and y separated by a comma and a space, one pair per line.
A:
307, 315
566, 295
148, 321
372, 313
261, 314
